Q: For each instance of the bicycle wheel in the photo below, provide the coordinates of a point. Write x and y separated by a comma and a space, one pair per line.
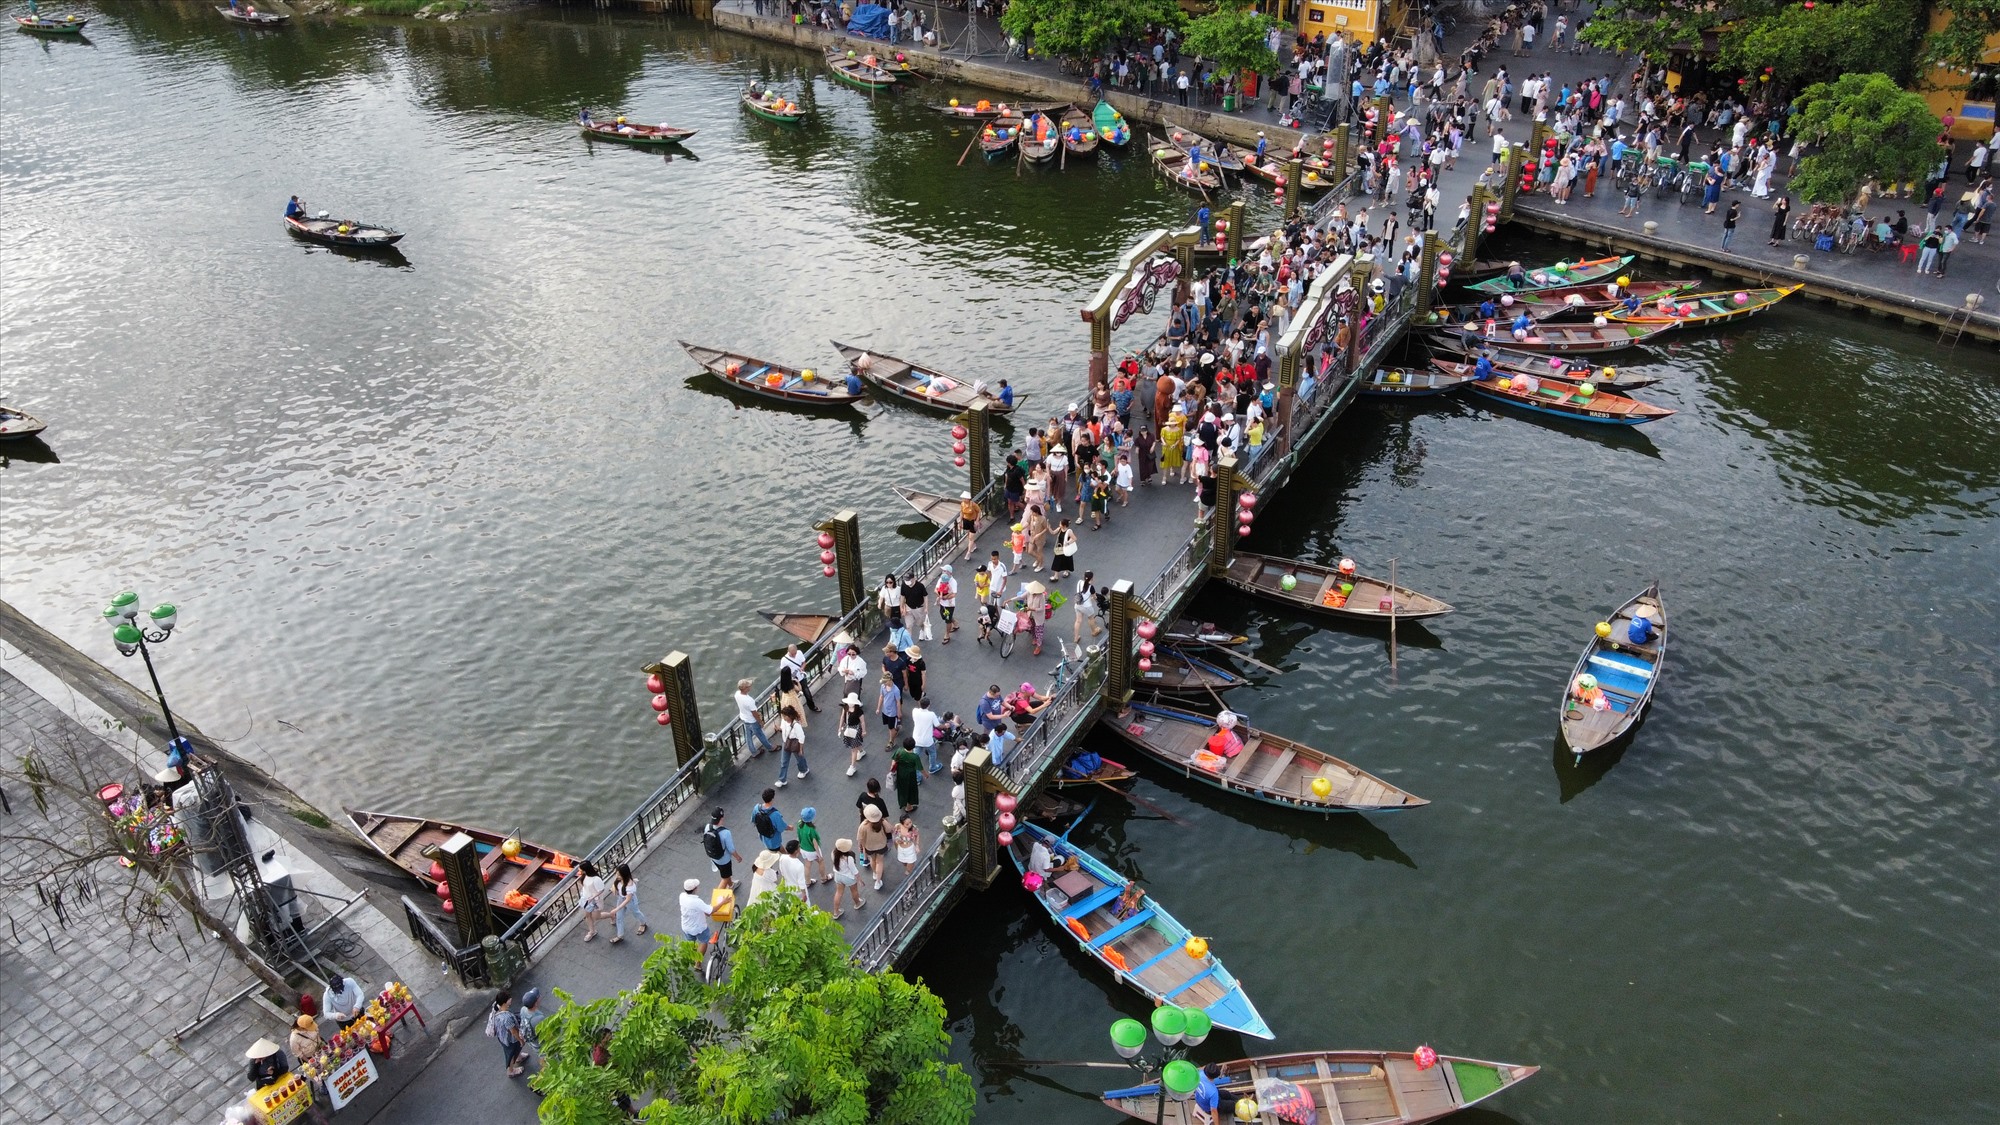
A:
1007, 644
714, 963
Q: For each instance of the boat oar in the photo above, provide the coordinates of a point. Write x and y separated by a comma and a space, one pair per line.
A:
1245, 658
1061, 1062
1138, 800
976, 134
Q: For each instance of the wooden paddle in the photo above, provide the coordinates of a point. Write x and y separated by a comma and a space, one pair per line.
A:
1138, 800
976, 134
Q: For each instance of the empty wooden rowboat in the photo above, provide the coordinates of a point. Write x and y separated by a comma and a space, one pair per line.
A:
1558, 276
621, 131
1405, 382
1174, 672
1317, 587
1264, 766
1335, 1087
1583, 402
513, 884
807, 627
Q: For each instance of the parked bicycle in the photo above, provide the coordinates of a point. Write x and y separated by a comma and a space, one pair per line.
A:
715, 956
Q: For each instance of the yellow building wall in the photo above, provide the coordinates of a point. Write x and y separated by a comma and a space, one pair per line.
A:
1358, 18
1945, 91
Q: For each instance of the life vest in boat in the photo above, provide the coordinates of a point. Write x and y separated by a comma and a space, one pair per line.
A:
1224, 743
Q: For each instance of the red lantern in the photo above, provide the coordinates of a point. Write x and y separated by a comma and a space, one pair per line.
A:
443, 889
1146, 629
825, 539
1006, 822
826, 570
958, 461
663, 718
1005, 802
1242, 529
437, 871
958, 432
958, 447
659, 703
1246, 501
826, 558
1145, 665
655, 684
445, 906
1004, 839
1146, 648
1425, 1057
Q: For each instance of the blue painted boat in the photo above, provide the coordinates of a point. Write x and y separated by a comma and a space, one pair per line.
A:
1616, 677
1568, 400
1146, 949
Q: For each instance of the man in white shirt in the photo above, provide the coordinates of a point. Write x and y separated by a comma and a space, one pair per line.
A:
923, 732
753, 723
796, 661
694, 913
792, 870
342, 1001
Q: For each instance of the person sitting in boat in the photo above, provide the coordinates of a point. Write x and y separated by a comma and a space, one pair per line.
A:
1516, 276
756, 91
295, 209
1084, 764
1522, 326
583, 117
1130, 900
1006, 394
1488, 310
1040, 861
1483, 368
853, 383
1640, 631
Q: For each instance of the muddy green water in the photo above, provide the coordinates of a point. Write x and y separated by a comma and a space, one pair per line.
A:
425, 519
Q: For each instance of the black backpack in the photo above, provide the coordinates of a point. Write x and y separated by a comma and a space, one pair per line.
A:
711, 842
761, 821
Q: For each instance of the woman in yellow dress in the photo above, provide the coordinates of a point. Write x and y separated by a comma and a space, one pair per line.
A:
1173, 437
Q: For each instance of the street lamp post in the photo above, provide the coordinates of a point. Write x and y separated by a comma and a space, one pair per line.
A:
1176, 1029
123, 617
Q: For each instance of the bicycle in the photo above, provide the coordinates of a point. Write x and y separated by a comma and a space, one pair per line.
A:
1024, 622
1069, 665
715, 956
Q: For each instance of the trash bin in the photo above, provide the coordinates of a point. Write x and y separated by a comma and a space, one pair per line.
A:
1229, 103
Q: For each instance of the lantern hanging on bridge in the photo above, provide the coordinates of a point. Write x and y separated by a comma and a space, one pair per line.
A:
1146, 648
655, 685
1145, 664
1146, 630
1221, 232
1492, 220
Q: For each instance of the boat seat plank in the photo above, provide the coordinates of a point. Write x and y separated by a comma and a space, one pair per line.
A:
1099, 941
1085, 905
1155, 959
1192, 981
1242, 759
1278, 768
395, 835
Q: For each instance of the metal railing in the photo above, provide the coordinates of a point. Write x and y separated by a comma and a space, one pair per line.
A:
469, 964
1036, 750
902, 910
1177, 575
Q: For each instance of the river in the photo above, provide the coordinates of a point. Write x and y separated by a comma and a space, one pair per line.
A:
426, 519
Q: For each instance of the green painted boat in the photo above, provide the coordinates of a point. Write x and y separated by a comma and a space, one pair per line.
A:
863, 72
771, 106
1558, 276
1111, 127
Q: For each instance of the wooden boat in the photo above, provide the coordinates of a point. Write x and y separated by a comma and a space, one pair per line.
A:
1564, 338
1557, 276
1111, 126
1108, 773
772, 380
939, 509
1624, 673
920, 386
1271, 169
1589, 300
772, 106
1040, 138
1521, 363
620, 131
999, 135
1453, 316
807, 627
1173, 163
1707, 308
512, 885
1405, 382
350, 233
1182, 631
984, 110
864, 72
1174, 672
1317, 587
1568, 400
52, 25
1375, 1087
1269, 768
1079, 133
1147, 950
1216, 153
18, 423
250, 17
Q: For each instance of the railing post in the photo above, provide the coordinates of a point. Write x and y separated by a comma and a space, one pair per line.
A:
846, 531
714, 763
1295, 174
1288, 387
1475, 221
1233, 245
676, 672
1362, 269
1184, 280
982, 783
1511, 185
977, 420
459, 856
1118, 644
1427, 275
1222, 520
1343, 151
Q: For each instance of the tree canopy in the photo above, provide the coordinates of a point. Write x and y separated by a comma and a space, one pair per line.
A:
1864, 125
1799, 44
1081, 27
1233, 38
795, 1033
1961, 42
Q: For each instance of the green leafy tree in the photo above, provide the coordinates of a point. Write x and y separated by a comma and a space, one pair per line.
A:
1864, 125
1803, 45
1654, 27
795, 1033
1233, 38
1962, 41
1081, 27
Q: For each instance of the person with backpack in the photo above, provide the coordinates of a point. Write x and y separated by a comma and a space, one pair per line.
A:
504, 1026
720, 846
768, 822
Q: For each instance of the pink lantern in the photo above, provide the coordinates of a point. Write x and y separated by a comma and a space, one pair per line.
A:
958, 461
659, 703
663, 718
1741, 298
1556, 362
655, 684
1246, 501
1006, 802
825, 539
1425, 1057
1444, 261
1179, 137
1146, 648
1145, 665
1242, 529
446, 906
437, 871
1007, 822
1507, 299
826, 557
958, 447
1004, 839
1687, 310
827, 570
958, 433
1146, 629
443, 889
